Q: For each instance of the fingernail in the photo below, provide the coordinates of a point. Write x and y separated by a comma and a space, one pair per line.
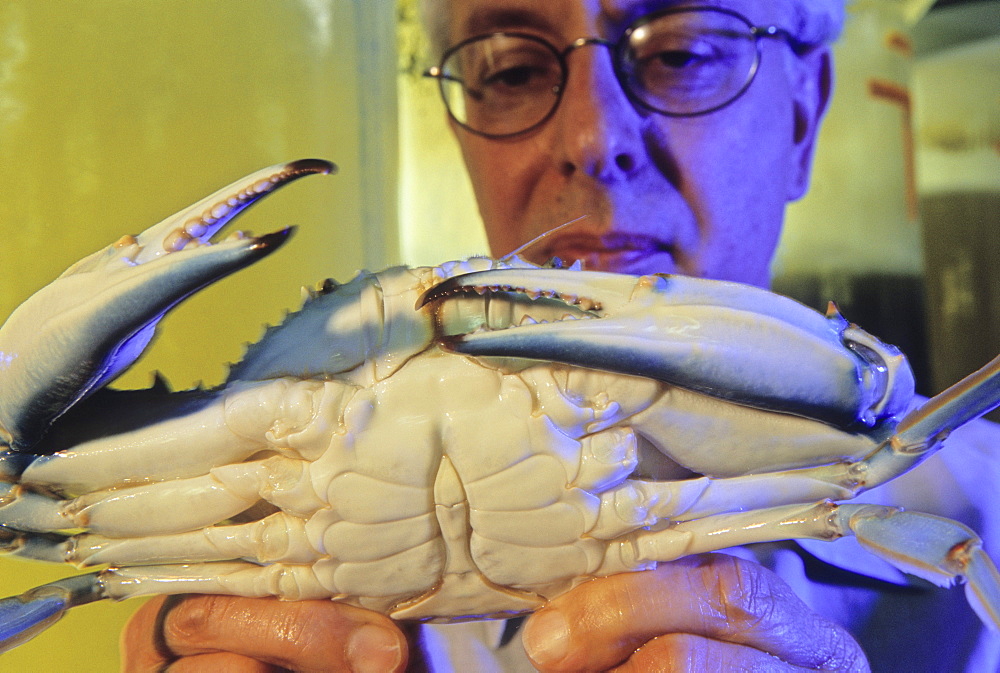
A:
373, 649
546, 637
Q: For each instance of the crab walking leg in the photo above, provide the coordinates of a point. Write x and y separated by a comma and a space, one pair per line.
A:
638, 503
933, 548
25, 616
278, 538
289, 582
174, 506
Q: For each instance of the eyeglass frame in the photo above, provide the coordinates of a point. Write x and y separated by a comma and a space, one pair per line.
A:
617, 49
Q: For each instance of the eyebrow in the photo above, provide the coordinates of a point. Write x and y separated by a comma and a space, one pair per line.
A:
622, 12
489, 19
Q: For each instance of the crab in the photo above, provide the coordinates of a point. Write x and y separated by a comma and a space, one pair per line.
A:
453, 442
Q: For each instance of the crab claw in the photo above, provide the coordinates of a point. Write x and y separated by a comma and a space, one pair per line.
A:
731, 341
85, 328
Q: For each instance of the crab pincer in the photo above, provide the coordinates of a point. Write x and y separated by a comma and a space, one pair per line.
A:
78, 333
709, 336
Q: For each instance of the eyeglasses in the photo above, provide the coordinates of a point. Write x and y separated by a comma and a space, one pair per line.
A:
680, 62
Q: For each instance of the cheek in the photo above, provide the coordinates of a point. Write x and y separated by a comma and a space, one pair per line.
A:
733, 175
504, 176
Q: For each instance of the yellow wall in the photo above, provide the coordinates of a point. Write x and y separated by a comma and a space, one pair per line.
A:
116, 113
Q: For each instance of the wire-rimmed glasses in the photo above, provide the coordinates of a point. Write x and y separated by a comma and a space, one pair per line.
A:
679, 62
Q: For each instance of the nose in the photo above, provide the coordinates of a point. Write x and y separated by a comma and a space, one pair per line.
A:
600, 130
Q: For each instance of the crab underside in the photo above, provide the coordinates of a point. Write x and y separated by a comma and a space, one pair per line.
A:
452, 442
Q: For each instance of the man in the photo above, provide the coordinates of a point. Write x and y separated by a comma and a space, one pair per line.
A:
682, 159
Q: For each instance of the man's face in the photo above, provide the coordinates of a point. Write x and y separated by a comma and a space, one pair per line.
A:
702, 196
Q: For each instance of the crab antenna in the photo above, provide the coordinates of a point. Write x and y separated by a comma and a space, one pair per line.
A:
541, 237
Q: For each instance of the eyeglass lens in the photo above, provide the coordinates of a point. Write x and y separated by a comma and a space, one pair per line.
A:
680, 63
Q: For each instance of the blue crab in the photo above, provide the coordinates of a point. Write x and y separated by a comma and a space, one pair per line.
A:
451, 442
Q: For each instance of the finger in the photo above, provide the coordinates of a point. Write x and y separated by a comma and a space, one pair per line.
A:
142, 648
305, 636
683, 653
221, 662
602, 622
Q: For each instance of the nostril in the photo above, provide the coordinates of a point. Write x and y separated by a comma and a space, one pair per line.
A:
624, 162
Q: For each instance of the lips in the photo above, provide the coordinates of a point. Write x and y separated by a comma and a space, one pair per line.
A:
622, 253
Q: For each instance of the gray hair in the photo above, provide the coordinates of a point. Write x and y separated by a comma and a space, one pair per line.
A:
813, 22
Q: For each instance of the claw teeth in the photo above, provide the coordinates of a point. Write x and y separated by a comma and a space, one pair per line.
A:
176, 240
127, 248
195, 228
263, 186
125, 241
577, 265
236, 236
527, 320
221, 210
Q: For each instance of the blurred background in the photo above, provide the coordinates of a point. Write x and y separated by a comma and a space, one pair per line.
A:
116, 113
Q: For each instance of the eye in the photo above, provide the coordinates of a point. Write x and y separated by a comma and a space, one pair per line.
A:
517, 72
517, 76
679, 51
677, 58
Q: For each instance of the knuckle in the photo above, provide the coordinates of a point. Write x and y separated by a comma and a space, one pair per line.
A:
190, 621
745, 594
682, 652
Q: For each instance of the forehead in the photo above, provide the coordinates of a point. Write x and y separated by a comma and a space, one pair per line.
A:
597, 17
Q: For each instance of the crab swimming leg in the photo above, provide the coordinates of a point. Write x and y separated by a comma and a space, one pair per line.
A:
82, 330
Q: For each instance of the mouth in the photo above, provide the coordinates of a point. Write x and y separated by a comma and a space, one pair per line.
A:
622, 253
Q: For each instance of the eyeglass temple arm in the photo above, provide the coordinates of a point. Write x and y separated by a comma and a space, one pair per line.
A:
437, 73
798, 46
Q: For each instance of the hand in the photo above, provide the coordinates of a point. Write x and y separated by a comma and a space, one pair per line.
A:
224, 633
703, 613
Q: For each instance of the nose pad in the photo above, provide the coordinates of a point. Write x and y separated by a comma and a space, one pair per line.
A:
600, 128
